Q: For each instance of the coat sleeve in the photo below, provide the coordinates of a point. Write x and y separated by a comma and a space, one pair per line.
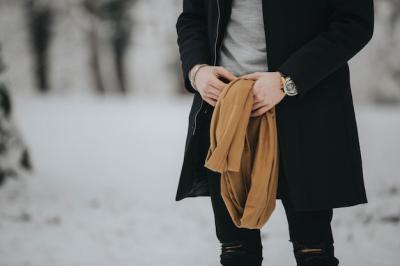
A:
191, 28
350, 29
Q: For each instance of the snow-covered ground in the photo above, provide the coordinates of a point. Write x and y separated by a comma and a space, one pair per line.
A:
106, 173
103, 190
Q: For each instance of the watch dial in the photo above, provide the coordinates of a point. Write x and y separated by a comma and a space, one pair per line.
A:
291, 86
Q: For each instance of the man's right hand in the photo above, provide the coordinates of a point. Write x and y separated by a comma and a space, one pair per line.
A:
209, 84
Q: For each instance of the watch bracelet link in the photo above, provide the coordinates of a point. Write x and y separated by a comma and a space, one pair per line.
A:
195, 71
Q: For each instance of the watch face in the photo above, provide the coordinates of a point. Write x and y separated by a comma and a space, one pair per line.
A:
290, 87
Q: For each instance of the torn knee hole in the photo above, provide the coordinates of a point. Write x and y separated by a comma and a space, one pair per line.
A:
231, 247
311, 250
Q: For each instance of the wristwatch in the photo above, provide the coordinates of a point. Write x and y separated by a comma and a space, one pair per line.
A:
288, 85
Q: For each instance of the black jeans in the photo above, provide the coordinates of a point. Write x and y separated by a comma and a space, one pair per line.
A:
310, 232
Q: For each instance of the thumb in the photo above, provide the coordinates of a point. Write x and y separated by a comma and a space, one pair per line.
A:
253, 76
226, 74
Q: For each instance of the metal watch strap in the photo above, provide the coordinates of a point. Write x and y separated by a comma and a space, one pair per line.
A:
195, 70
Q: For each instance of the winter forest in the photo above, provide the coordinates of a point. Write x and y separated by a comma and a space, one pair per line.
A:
86, 88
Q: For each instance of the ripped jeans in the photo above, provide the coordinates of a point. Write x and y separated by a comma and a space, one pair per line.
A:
310, 234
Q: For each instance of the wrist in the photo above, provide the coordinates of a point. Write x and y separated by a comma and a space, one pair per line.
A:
193, 73
281, 79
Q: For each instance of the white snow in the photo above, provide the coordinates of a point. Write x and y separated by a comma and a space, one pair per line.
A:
106, 170
106, 173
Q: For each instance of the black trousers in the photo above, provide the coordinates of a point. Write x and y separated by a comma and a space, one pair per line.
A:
310, 232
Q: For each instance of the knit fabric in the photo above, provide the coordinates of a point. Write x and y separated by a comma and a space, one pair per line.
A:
244, 150
244, 46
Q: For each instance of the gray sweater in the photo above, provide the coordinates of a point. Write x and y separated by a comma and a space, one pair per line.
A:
243, 48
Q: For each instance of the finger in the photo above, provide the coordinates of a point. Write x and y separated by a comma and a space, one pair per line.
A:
213, 90
211, 96
210, 90
258, 105
218, 84
257, 99
253, 114
264, 106
260, 111
225, 73
268, 107
210, 101
253, 76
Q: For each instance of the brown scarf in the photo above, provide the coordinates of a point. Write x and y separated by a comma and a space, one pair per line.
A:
244, 150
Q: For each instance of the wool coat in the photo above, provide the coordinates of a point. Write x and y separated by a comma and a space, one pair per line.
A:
244, 150
311, 41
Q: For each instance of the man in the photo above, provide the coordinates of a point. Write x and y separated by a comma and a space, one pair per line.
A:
298, 52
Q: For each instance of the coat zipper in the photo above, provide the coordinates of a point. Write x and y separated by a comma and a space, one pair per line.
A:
215, 62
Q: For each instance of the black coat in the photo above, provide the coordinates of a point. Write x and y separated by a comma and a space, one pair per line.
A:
311, 41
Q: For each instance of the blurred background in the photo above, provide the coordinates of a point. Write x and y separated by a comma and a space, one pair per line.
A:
93, 119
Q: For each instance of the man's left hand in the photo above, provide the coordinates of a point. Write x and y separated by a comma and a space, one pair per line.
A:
267, 91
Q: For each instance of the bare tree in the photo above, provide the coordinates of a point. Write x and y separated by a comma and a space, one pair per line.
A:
110, 19
14, 154
40, 19
388, 92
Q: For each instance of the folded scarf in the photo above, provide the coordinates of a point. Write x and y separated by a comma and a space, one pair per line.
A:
244, 150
